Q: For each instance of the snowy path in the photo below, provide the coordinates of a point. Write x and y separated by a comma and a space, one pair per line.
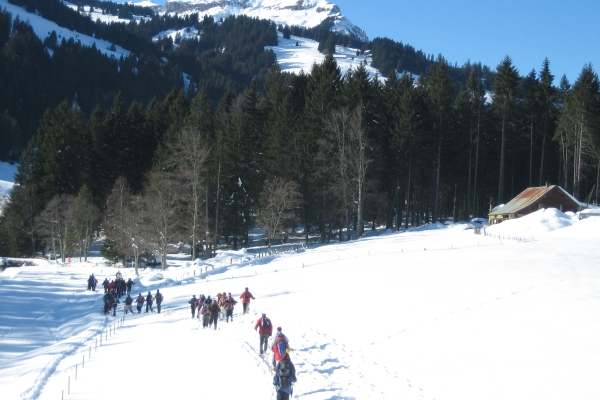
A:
160, 356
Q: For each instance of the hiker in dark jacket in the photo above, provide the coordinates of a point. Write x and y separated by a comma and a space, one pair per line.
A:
149, 300
108, 298
159, 299
105, 285
285, 376
128, 303
246, 296
115, 301
214, 313
193, 304
265, 330
129, 284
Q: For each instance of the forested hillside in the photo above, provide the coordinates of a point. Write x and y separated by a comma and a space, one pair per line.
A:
131, 153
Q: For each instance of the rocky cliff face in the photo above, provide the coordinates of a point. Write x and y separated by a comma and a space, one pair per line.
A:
307, 13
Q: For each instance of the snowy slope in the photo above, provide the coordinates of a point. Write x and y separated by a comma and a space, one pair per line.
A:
297, 54
437, 313
43, 28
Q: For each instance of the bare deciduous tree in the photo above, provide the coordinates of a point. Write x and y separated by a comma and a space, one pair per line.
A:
351, 162
188, 155
55, 221
162, 215
277, 204
124, 220
85, 216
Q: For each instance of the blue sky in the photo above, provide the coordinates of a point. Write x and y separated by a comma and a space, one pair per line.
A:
567, 32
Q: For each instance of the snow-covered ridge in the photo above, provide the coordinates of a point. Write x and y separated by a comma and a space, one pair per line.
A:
305, 13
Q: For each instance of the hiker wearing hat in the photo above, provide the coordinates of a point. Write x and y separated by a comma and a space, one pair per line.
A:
265, 330
246, 296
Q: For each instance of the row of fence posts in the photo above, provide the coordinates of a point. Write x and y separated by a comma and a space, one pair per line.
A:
289, 249
111, 329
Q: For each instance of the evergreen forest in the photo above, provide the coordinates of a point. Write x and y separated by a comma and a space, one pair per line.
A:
119, 146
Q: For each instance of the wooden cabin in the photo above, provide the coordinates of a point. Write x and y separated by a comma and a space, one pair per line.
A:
533, 199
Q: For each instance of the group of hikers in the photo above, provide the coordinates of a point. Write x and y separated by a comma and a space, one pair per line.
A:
118, 285
209, 309
114, 289
285, 372
111, 300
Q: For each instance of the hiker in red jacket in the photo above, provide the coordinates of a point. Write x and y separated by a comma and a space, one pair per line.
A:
280, 347
265, 331
246, 296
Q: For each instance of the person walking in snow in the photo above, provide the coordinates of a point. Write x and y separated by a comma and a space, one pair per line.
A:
246, 296
149, 300
203, 311
129, 284
214, 309
108, 298
128, 304
265, 330
114, 303
280, 347
285, 376
140, 303
105, 285
159, 299
229, 304
193, 304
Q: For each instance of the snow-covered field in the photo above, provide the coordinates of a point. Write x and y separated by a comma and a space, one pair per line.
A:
434, 313
297, 54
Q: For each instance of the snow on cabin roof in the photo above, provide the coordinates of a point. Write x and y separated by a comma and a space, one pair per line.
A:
528, 197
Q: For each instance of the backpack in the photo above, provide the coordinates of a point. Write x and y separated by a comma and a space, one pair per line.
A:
266, 323
284, 377
141, 300
159, 298
282, 347
204, 309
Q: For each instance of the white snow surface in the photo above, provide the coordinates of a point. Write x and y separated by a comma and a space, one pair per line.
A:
299, 54
432, 313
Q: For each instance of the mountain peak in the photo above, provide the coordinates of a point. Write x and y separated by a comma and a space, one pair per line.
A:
305, 13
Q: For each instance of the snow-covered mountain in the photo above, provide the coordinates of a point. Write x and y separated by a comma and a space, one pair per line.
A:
306, 13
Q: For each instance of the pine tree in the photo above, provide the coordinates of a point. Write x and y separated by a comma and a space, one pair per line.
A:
547, 98
506, 95
440, 91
